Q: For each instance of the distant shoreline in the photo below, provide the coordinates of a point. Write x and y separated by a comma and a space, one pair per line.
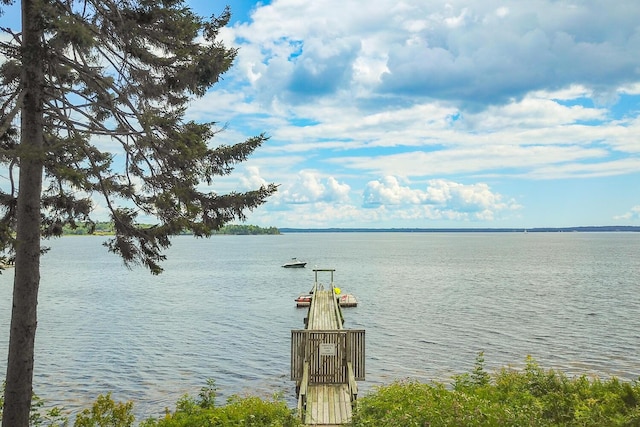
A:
587, 229
255, 230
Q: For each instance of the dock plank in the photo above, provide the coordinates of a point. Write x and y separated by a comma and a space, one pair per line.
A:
328, 404
323, 313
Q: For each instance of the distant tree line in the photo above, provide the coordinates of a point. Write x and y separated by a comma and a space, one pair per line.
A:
247, 229
107, 228
100, 228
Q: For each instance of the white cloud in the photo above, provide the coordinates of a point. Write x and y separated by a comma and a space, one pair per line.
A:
632, 214
311, 187
480, 52
531, 112
587, 170
252, 180
390, 192
441, 199
469, 160
456, 21
501, 12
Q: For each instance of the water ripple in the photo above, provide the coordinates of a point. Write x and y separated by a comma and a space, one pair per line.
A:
430, 302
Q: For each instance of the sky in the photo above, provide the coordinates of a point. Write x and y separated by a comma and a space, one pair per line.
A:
436, 114
433, 114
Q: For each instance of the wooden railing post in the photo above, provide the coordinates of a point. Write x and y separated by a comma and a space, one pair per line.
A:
302, 394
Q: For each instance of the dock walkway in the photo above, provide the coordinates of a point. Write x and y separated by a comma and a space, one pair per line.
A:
326, 361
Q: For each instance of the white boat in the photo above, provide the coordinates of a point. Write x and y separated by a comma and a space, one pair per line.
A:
294, 263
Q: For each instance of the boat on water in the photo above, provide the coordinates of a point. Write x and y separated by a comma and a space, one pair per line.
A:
294, 263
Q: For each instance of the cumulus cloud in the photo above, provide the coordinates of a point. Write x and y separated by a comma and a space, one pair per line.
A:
252, 179
479, 53
441, 198
389, 191
322, 214
312, 187
474, 53
632, 214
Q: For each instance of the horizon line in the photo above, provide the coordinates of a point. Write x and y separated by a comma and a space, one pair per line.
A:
598, 228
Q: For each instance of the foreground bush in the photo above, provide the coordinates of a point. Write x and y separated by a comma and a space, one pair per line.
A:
106, 413
238, 411
245, 411
532, 397
190, 412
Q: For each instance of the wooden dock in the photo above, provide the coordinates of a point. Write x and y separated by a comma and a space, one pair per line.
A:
326, 360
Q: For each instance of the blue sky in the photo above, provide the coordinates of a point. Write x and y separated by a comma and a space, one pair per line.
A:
434, 114
437, 114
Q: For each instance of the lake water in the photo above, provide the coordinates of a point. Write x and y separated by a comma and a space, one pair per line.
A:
430, 302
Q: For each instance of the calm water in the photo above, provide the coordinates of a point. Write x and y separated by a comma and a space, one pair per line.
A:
223, 309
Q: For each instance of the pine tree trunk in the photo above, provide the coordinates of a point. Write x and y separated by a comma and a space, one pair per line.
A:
19, 379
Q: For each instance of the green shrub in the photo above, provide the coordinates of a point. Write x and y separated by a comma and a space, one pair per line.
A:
418, 404
531, 397
238, 411
106, 413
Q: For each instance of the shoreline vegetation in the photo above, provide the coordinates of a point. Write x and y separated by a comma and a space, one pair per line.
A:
531, 396
106, 229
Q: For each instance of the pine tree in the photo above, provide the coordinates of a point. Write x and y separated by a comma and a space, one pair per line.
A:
93, 96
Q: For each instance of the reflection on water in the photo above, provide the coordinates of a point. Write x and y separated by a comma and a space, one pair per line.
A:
223, 309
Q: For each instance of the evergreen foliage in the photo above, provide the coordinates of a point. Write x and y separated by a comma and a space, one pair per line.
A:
123, 72
93, 97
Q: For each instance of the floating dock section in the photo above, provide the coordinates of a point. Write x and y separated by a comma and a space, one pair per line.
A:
326, 360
